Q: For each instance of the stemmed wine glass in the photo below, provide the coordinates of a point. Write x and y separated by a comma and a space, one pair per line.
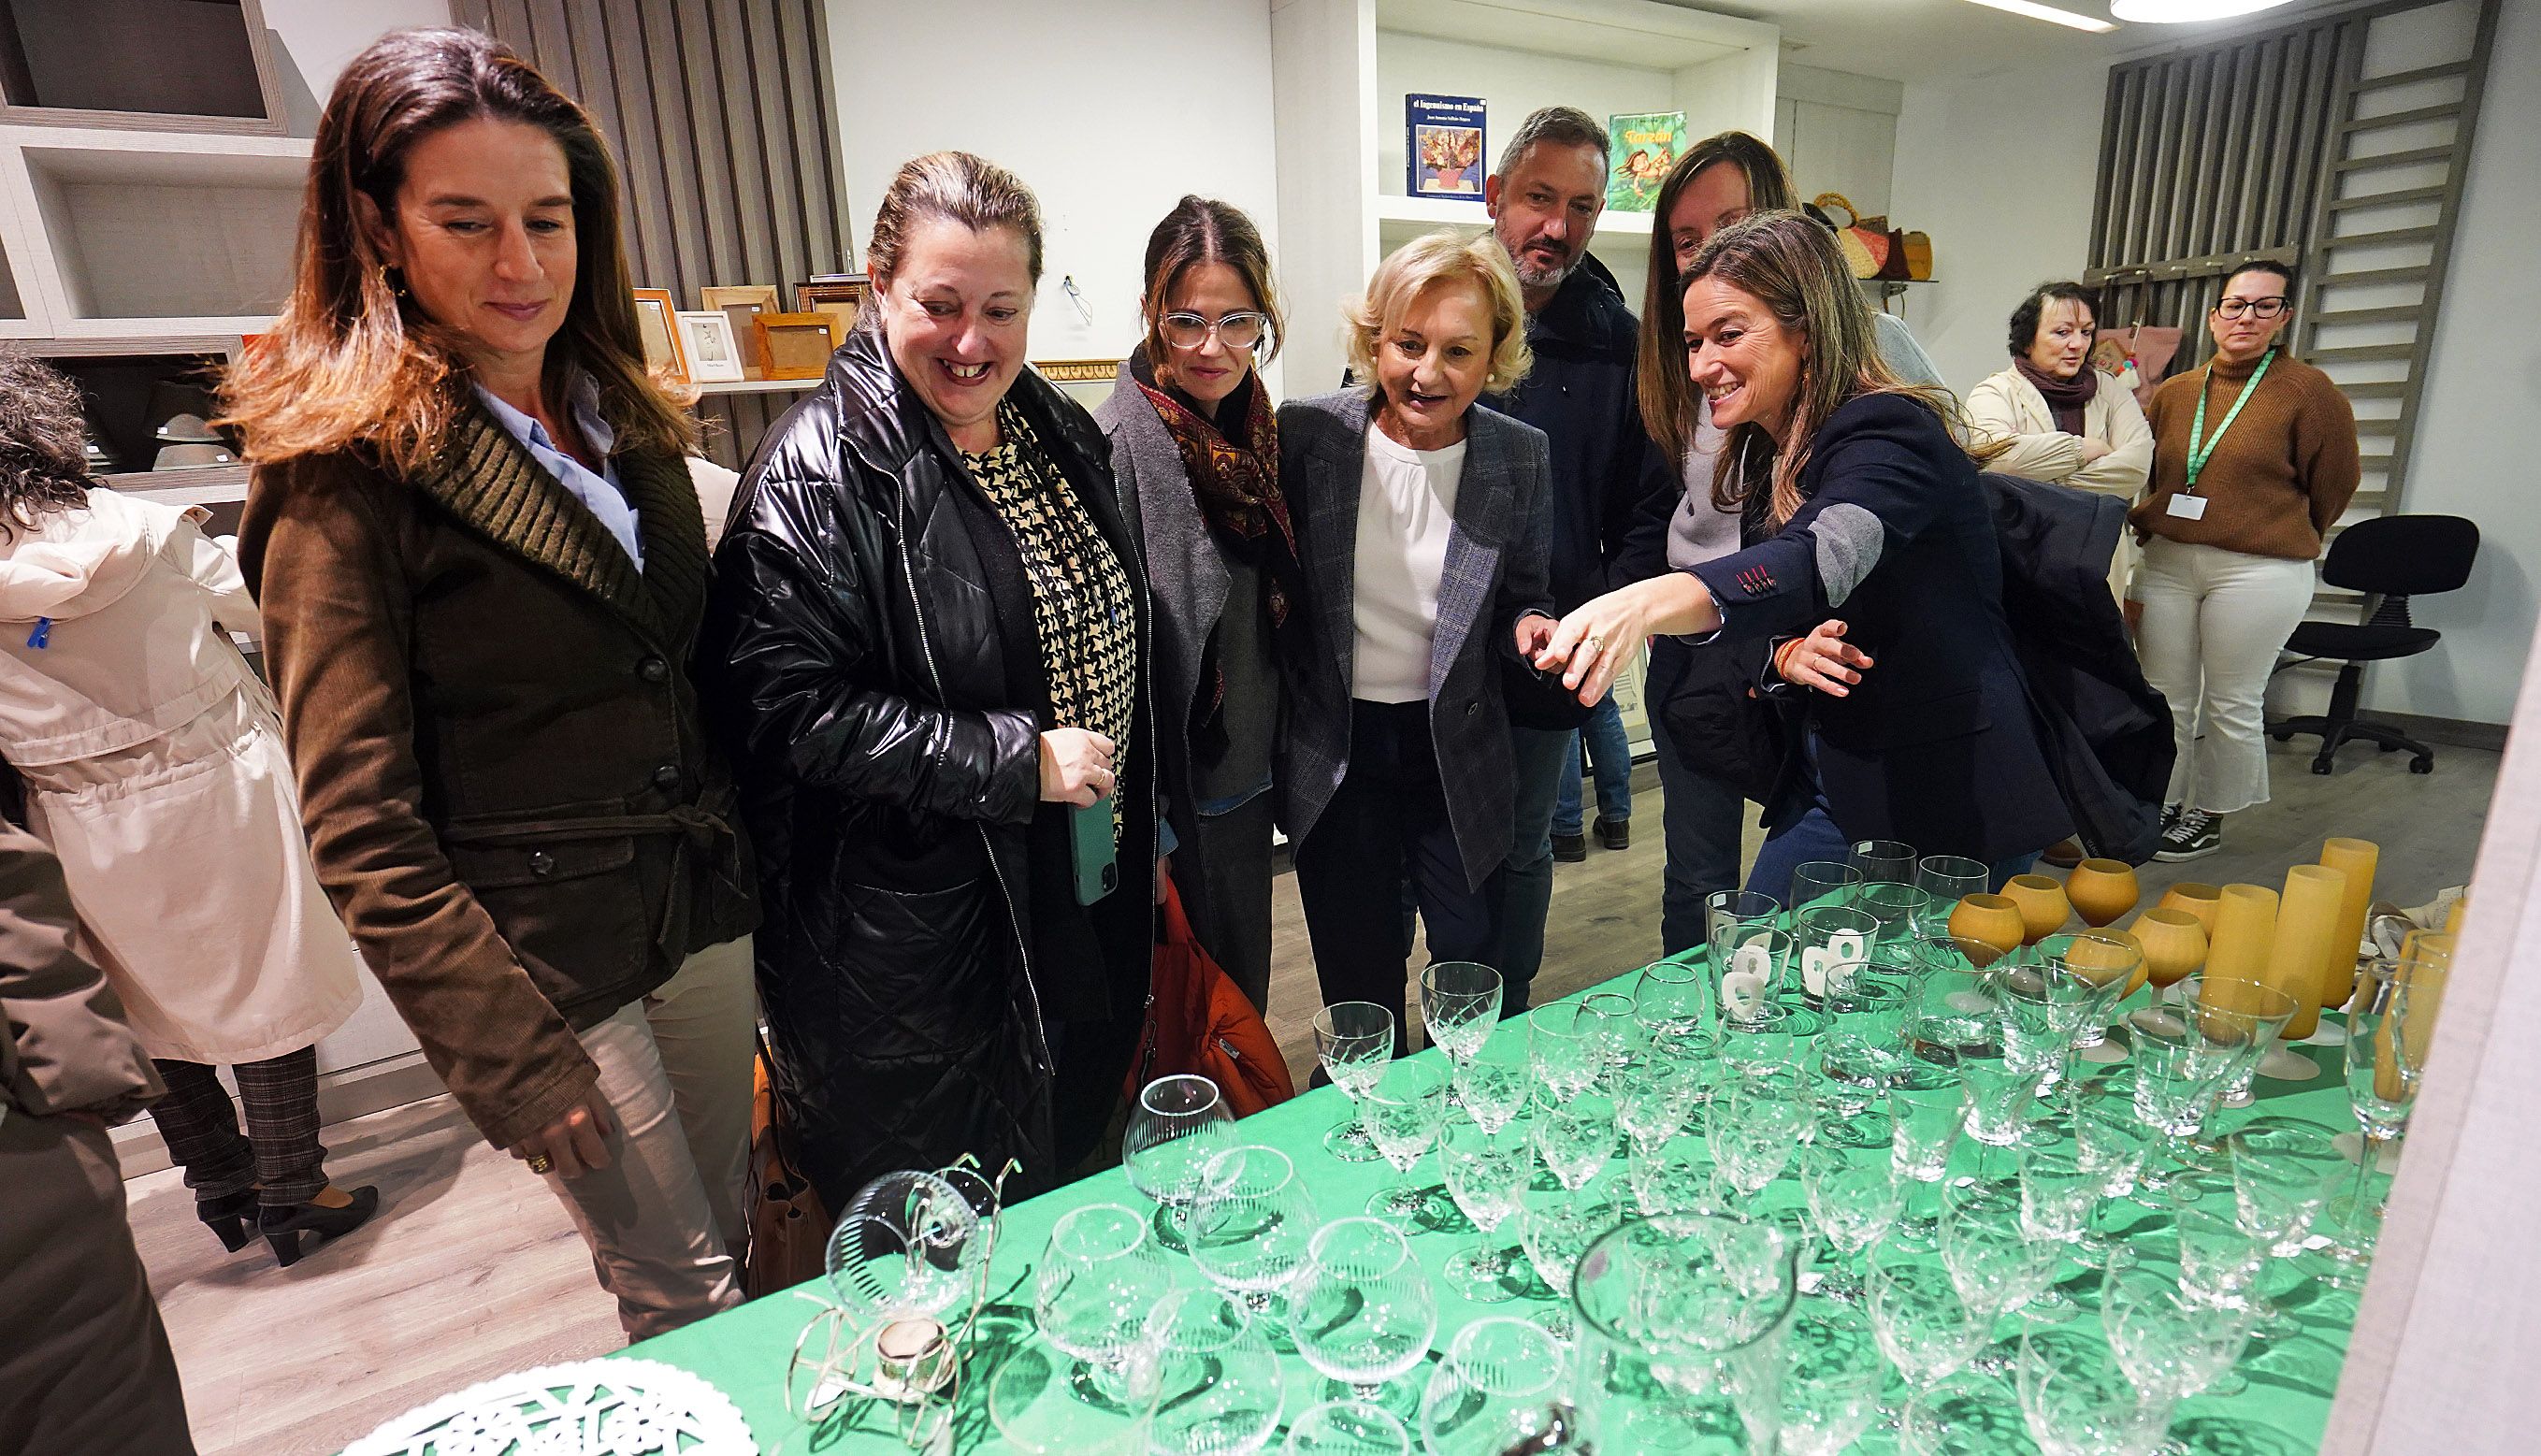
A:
2170, 1345
1576, 1138
1041, 1403
1615, 1036
1098, 1279
1923, 1324
1219, 1386
1346, 1428
1502, 1387
1670, 1001
1459, 1003
2283, 1176
1831, 1390
1403, 1109
1555, 1229
1487, 1175
1362, 1311
1250, 1227
1853, 1194
2056, 1198
2389, 1030
1354, 1040
1670, 1175
1754, 1126
2183, 1058
1991, 1256
1496, 1079
2078, 1401
1179, 1125
1562, 1048
1927, 1110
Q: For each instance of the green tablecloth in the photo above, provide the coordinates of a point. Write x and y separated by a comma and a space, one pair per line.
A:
745, 1352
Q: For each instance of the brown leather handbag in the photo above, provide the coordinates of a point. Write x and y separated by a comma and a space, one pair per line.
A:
789, 1230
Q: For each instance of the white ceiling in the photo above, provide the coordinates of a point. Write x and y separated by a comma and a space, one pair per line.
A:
1917, 40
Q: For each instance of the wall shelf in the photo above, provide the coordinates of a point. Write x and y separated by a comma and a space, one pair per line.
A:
756, 385
207, 485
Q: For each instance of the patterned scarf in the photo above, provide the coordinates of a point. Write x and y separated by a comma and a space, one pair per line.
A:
1237, 488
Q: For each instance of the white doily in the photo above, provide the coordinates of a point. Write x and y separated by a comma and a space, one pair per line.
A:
589, 1408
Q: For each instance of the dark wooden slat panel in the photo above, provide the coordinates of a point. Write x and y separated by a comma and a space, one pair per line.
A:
2396, 198
2410, 78
2449, 112
2396, 159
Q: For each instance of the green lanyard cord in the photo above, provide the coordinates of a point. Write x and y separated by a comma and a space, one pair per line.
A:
2199, 454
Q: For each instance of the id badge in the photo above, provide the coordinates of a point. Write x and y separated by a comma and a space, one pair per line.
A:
2187, 508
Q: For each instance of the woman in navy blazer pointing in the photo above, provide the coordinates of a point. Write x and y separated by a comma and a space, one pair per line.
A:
1870, 562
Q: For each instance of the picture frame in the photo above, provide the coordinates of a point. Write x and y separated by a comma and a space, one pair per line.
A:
657, 323
843, 295
740, 303
713, 349
1078, 371
796, 345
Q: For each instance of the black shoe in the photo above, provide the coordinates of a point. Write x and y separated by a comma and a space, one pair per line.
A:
2194, 835
283, 1227
1570, 848
226, 1218
1614, 834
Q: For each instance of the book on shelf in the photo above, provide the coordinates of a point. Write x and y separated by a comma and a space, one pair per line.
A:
1643, 146
1443, 146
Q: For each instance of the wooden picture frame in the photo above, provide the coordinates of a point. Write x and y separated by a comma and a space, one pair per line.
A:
842, 295
1078, 371
741, 303
657, 323
713, 349
796, 345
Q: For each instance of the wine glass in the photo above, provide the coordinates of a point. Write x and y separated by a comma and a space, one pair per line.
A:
1495, 1081
1927, 1110
1250, 1227
1883, 861
1853, 1194
1459, 1003
2390, 1028
2283, 1176
1403, 1109
1670, 1175
1562, 1048
1655, 1101
2042, 1005
2111, 962
1988, 1253
2110, 1145
1362, 1311
1179, 1125
2056, 1198
2218, 1259
2183, 1058
1555, 1229
1220, 1391
1501, 1387
2078, 1401
1615, 1037
1099, 1277
2270, 1007
1969, 1413
2169, 1344
1487, 1175
1754, 1126
1670, 1001
1945, 879
1354, 1040
1040, 1403
1823, 882
1576, 1138
1831, 1389
1346, 1428
1923, 1324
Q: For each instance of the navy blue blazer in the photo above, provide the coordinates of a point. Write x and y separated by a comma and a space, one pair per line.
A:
1937, 746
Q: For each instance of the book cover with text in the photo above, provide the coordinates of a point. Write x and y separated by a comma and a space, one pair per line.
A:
1444, 144
1644, 145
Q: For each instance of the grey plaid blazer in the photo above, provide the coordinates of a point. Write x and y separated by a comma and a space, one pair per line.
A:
1496, 557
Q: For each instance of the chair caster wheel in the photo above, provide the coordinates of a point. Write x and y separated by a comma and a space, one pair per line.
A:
2281, 735
2317, 766
2421, 765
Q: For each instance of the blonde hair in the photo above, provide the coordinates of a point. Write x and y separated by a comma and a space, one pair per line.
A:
1435, 261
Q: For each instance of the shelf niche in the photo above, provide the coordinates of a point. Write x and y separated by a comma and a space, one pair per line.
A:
13, 307
168, 234
122, 392
195, 63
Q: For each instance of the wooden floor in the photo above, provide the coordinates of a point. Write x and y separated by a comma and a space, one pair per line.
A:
473, 1269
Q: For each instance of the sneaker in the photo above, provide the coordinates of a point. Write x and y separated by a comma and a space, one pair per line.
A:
1570, 848
2194, 835
1615, 833
2067, 853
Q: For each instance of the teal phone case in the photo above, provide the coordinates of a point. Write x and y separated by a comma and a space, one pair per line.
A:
1089, 842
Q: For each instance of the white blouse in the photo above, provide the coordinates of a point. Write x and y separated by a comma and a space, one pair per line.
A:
1407, 507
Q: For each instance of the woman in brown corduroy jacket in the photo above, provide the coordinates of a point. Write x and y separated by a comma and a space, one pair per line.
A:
481, 568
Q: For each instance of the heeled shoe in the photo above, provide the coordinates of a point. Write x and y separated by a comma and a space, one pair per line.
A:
227, 1218
283, 1227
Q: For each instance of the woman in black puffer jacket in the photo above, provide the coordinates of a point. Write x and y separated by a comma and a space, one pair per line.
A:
925, 643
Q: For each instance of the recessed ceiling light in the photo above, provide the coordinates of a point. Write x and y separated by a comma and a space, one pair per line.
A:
2181, 12
2048, 13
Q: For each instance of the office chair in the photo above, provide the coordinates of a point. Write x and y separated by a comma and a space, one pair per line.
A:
2389, 558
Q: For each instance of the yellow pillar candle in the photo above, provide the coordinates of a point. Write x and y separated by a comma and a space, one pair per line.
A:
2355, 858
2245, 925
2307, 920
2453, 916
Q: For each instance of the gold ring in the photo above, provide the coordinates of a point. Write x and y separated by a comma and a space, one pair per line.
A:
1596, 644
540, 1164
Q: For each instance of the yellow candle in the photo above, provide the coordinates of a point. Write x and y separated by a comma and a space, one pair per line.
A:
2453, 916
2245, 925
2355, 858
2307, 920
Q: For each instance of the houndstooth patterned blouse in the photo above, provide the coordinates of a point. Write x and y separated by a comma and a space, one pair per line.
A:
1082, 610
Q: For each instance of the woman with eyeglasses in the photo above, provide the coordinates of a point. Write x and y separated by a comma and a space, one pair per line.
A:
2254, 459
1195, 453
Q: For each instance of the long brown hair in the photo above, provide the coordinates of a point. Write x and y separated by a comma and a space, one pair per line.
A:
1789, 262
949, 186
1202, 230
352, 361
1670, 405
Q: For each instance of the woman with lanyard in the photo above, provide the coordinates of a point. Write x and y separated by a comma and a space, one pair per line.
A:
2254, 460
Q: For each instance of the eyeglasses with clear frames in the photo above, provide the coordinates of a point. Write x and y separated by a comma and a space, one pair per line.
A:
2263, 308
1241, 329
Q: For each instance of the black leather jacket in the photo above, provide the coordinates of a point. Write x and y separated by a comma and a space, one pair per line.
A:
870, 659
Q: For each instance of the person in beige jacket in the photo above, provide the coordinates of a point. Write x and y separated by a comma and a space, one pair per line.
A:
2057, 418
154, 767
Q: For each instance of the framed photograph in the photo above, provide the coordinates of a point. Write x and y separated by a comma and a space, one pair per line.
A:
657, 320
1443, 146
712, 347
739, 304
840, 295
796, 345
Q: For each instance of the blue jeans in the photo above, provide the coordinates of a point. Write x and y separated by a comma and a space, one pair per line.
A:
1814, 835
1610, 755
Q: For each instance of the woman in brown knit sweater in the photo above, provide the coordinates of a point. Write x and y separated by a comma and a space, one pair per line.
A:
2254, 460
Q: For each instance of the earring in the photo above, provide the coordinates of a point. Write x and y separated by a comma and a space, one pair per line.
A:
391, 280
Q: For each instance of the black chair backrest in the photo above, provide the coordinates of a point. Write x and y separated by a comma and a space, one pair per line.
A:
2402, 556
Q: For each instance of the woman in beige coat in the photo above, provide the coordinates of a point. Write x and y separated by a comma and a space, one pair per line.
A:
2057, 418
154, 768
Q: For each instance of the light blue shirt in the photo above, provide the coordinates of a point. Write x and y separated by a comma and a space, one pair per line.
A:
601, 493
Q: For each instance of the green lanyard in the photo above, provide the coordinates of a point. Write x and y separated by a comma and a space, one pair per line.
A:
2199, 454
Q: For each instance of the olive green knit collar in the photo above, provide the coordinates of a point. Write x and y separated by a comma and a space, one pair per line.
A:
491, 483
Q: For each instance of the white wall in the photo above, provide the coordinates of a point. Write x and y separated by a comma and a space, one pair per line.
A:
1108, 113
320, 36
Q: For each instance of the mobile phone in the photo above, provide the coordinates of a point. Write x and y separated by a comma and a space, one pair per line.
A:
1089, 842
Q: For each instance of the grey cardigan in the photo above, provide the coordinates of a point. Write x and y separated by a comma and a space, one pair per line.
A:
1496, 572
